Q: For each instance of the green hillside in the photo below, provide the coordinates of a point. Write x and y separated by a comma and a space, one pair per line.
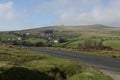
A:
84, 31
74, 37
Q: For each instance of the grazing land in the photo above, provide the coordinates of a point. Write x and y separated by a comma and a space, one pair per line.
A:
96, 39
90, 39
18, 63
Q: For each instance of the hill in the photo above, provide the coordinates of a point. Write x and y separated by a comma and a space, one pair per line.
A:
85, 31
71, 37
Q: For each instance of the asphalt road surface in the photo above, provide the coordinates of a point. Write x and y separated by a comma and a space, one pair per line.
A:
100, 62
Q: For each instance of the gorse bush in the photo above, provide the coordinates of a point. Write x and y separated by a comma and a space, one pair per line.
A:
93, 44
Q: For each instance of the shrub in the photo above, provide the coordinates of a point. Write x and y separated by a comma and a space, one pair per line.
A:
62, 40
39, 44
93, 45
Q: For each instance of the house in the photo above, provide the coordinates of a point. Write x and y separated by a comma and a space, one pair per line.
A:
55, 41
27, 34
19, 38
14, 39
11, 39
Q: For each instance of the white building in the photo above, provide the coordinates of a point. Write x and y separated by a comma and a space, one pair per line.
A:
19, 38
27, 34
55, 41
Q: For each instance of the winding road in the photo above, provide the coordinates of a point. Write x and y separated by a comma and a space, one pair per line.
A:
105, 64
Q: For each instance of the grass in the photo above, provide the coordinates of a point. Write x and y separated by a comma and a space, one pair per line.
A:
39, 66
107, 53
87, 76
73, 44
115, 44
35, 40
113, 54
6, 35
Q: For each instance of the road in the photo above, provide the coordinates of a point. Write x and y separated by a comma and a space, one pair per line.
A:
100, 62
107, 65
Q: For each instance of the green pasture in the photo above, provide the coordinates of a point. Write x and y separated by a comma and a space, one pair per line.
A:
14, 60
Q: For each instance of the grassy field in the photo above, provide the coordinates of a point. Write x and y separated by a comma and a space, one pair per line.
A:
35, 40
22, 64
73, 45
75, 36
82, 32
4, 36
74, 42
115, 44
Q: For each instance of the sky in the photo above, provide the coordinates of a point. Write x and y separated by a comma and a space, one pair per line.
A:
26, 14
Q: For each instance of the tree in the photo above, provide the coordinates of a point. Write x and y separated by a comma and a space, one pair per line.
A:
62, 40
93, 45
39, 44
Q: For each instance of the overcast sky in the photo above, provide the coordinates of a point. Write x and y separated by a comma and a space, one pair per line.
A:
24, 14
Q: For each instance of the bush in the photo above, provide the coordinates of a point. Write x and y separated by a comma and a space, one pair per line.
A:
25, 43
62, 40
93, 45
39, 44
